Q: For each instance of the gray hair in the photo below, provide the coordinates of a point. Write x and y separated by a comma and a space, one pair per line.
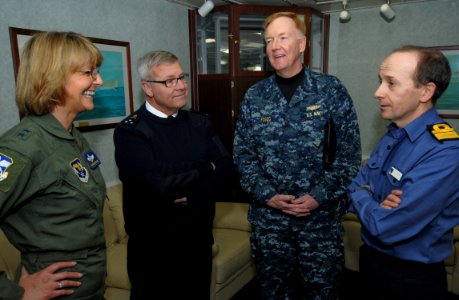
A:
154, 58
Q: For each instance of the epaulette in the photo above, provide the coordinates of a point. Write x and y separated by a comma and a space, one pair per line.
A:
200, 113
443, 132
198, 118
132, 120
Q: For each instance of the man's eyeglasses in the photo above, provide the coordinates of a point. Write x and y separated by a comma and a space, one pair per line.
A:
92, 72
171, 82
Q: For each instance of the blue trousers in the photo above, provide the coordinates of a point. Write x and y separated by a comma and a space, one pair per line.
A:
390, 278
298, 264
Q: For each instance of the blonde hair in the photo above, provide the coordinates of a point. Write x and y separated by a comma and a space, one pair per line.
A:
298, 22
48, 58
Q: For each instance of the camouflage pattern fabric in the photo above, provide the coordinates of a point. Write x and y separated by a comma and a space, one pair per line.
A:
278, 149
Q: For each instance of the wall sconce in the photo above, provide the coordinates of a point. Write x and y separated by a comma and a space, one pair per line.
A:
344, 15
206, 8
387, 12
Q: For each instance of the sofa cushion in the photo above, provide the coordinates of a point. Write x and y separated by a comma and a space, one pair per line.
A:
112, 293
117, 275
233, 252
352, 241
111, 236
214, 249
232, 215
115, 204
10, 256
450, 260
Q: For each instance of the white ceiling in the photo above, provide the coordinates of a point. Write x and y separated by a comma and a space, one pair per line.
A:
327, 6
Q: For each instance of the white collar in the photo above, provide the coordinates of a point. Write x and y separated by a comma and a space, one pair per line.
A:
156, 112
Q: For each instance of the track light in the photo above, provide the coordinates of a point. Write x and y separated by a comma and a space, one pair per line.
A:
206, 8
344, 15
387, 12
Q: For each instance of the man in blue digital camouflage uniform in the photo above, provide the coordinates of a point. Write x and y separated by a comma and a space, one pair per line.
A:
407, 195
296, 147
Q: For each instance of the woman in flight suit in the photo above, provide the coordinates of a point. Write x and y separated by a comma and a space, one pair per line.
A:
51, 188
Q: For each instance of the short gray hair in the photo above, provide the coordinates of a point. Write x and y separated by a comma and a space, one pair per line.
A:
154, 58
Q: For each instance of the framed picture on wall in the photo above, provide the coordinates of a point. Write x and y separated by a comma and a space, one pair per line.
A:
448, 104
113, 101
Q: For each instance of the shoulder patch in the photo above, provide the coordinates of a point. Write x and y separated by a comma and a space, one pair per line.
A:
443, 132
5, 163
10, 169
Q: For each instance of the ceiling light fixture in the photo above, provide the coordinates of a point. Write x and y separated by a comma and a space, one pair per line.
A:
344, 15
387, 12
206, 8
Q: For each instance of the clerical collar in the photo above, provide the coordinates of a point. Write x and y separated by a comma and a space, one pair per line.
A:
156, 112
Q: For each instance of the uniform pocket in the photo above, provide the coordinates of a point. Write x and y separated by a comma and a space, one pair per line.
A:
394, 176
54, 256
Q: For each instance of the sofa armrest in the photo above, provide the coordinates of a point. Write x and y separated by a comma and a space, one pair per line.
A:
454, 283
114, 211
10, 257
352, 241
232, 215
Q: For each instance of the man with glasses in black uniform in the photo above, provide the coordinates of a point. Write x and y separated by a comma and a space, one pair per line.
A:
173, 167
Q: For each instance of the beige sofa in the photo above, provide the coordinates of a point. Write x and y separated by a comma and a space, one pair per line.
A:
232, 265
352, 242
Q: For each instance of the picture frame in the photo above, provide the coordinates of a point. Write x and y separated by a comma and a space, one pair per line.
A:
114, 100
448, 104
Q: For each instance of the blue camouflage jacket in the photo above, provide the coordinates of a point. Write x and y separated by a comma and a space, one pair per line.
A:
278, 146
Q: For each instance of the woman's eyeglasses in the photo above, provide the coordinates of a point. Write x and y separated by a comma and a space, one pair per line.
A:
92, 72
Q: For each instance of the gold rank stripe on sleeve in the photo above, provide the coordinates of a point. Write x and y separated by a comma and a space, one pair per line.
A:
443, 131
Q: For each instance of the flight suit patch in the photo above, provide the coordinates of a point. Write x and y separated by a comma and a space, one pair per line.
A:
79, 170
443, 132
9, 171
5, 163
92, 159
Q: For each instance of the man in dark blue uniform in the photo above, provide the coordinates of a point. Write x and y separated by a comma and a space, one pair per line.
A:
173, 166
407, 195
